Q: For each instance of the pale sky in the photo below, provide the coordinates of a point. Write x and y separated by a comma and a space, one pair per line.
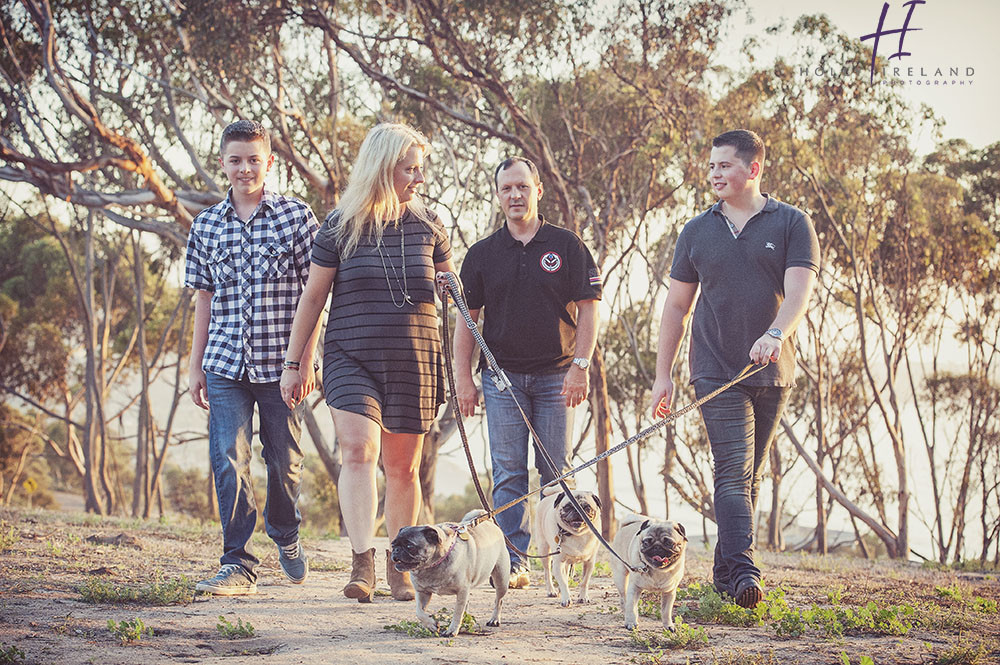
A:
953, 33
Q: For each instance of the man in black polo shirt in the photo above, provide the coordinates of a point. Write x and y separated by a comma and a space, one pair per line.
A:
755, 260
539, 286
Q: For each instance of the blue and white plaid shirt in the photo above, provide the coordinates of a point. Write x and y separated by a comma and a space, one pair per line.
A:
256, 271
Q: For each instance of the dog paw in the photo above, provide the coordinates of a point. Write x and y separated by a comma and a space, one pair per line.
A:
671, 628
493, 624
565, 603
552, 594
582, 600
631, 626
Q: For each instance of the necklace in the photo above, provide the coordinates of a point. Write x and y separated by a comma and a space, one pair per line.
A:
400, 283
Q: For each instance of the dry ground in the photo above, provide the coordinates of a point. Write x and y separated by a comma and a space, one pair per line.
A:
48, 557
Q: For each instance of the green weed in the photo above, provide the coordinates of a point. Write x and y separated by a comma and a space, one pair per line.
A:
8, 536
790, 622
159, 592
442, 618
865, 660
965, 597
966, 653
602, 569
10, 655
328, 566
234, 631
683, 637
129, 630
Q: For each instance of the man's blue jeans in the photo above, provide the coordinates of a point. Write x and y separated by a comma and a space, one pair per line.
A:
230, 431
538, 395
741, 423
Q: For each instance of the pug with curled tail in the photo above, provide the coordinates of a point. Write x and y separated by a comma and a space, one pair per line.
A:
656, 549
450, 560
561, 529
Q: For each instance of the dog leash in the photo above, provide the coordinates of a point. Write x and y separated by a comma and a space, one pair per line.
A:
449, 284
449, 368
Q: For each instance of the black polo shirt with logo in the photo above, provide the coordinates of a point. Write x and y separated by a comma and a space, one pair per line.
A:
528, 294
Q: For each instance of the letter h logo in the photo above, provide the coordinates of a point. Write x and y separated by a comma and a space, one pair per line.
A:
879, 32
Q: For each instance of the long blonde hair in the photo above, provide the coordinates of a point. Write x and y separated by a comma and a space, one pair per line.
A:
369, 203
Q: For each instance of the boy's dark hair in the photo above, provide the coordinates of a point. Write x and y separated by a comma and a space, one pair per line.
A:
509, 162
749, 146
244, 130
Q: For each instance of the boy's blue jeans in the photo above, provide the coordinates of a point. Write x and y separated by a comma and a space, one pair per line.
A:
741, 423
538, 395
230, 431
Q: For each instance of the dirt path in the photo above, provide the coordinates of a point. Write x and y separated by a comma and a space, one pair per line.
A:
43, 615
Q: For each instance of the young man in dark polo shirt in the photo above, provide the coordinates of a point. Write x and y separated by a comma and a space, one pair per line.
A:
539, 287
755, 260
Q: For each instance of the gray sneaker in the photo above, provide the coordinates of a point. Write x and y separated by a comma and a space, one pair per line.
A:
293, 562
231, 580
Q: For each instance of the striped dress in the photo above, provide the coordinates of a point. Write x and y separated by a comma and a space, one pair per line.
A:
380, 360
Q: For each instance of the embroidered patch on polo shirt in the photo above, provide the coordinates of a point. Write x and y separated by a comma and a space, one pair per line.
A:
595, 276
550, 262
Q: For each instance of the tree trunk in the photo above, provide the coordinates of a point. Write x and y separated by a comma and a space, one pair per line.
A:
602, 428
95, 498
775, 534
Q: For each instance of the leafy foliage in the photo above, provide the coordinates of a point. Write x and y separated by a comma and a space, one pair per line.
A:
234, 631
129, 630
158, 592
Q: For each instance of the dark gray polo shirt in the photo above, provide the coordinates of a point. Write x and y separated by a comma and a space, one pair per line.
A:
742, 286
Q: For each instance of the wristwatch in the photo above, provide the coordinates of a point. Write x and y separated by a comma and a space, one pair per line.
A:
582, 363
776, 333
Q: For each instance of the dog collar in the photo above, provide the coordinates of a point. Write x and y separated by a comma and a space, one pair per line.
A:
457, 532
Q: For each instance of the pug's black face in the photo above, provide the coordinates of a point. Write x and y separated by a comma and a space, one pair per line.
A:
569, 515
414, 546
662, 544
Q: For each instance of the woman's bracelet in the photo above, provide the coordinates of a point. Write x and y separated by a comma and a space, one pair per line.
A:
291, 364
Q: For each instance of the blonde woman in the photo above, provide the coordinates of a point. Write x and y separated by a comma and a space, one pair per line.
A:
382, 370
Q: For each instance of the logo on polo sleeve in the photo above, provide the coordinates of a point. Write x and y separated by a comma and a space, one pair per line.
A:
550, 262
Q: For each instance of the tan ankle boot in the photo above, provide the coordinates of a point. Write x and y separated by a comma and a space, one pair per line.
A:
362, 584
399, 583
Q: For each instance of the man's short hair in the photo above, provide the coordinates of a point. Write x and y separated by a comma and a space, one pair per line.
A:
244, 130
749, 146
509, 162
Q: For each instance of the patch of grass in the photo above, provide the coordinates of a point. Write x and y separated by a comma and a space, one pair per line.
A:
442, 618
968, 566
865, 660
965, 652
328, 566
683, 637
965, 596
158, 592
713, 608
602, 569
790, 622
10, 655
234, 631
8, 536
129, 630
741, 657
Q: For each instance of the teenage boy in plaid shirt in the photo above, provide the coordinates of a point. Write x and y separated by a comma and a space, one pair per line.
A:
248, 259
